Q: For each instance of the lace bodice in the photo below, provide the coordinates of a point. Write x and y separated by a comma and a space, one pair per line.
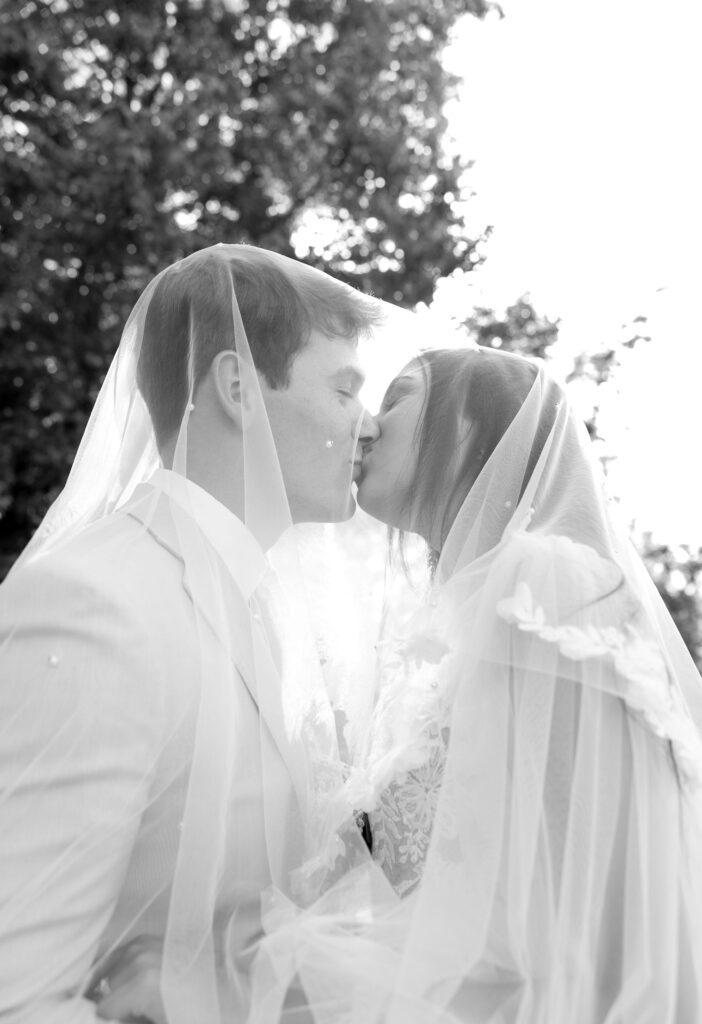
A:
400, 779
402, 822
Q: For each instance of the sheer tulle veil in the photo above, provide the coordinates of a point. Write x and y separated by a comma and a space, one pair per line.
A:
563, 877
140, 630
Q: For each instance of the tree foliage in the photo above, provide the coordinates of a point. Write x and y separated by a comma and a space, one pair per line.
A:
520, 328
677, 572
133, 133
600, 365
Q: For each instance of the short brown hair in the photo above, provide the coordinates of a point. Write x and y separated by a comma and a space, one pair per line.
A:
280, 303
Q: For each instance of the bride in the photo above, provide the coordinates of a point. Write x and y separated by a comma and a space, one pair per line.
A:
531, 767
546, 820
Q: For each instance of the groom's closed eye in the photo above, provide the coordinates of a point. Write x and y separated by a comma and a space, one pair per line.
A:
348, 381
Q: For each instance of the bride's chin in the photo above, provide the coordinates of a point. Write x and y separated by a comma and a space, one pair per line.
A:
373, 505
362, 498
371, 502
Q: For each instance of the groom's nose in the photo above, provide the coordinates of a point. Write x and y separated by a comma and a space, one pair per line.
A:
369, 429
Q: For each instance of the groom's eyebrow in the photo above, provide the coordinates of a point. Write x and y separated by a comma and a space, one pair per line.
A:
349, 374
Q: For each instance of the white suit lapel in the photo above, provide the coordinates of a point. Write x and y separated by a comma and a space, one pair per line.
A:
167, 522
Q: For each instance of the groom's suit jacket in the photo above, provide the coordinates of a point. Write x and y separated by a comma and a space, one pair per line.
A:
99, 648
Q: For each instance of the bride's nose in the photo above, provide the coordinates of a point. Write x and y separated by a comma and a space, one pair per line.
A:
369, 429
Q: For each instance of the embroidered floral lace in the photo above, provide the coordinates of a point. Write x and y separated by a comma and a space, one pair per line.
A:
402, 822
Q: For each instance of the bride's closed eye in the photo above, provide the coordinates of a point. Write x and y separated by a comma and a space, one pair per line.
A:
397, 390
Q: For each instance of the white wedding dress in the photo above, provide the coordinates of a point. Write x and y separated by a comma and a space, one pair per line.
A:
532, 773
402, 822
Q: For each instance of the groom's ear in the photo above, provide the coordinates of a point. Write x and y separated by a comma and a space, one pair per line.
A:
226, 378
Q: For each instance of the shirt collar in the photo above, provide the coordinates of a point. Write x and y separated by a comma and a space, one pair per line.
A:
233, 542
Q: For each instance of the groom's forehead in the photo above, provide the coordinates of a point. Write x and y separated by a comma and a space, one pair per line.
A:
332, 358
350, 373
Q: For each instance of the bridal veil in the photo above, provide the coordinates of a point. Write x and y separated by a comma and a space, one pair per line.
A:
562, 880
169, 750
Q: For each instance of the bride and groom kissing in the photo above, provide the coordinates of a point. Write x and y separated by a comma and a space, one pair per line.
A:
506, 825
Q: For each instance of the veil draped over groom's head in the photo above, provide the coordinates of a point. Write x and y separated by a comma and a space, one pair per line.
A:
152, 689
257, 304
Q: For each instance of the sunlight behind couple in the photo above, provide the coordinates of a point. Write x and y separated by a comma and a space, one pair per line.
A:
578, 122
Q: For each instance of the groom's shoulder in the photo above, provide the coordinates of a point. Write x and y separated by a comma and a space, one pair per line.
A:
115, 559
108, 606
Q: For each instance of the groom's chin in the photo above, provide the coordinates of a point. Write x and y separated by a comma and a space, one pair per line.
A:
340, 513
348, 511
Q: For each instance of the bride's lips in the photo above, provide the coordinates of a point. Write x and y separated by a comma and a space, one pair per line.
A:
361, 466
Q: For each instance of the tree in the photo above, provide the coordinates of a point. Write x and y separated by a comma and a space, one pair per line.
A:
519, 329
601, 365
677, 572
134, 133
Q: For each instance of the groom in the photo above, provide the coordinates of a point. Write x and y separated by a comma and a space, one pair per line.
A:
103, 638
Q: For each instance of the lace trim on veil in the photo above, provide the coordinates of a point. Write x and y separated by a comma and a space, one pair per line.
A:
648, 690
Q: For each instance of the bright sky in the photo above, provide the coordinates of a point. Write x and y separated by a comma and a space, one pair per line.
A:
584, 124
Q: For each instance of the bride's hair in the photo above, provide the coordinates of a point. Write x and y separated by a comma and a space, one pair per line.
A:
472, 397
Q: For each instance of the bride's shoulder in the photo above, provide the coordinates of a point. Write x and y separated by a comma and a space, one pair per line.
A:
551, 570
555, 568
532, 548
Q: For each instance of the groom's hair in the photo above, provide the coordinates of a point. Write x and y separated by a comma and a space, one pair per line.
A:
189, 320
